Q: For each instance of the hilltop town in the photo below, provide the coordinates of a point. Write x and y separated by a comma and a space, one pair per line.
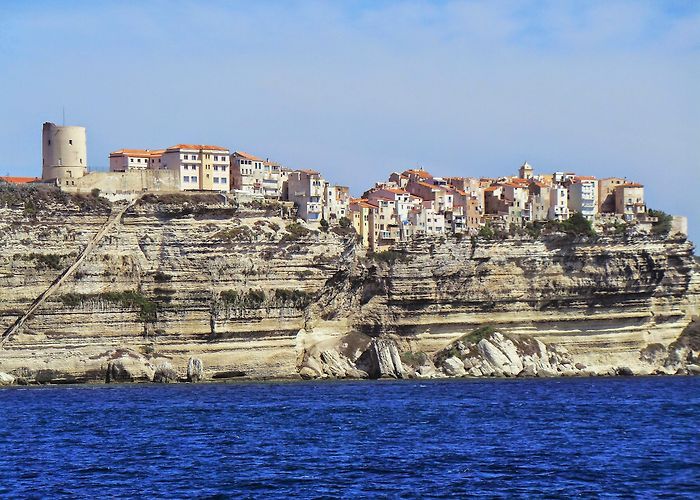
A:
409, 203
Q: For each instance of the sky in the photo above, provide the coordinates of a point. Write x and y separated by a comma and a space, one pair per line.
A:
359, 89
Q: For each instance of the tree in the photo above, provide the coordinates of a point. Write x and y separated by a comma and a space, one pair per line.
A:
663, 225
578, 225
324, 225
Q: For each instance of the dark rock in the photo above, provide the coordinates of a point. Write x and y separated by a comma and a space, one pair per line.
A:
165, 374
624, 371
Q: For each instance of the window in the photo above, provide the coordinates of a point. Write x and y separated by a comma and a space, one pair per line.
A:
49, 142
186, 157
131, 160
216, 180
70, 141
186, 178
194, 178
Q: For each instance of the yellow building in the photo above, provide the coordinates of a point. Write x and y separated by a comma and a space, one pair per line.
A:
200, 167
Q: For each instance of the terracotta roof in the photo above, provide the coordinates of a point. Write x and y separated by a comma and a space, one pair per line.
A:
632, 185
307, 171
418, 172
425, 184
396, 191
148, 153
585, 178
19, 180
492, 188
197, 147
247, 156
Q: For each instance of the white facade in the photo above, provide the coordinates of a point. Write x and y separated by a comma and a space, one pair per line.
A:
200, 167
558, 203
126, 160
583, 197
306, 188
427, 221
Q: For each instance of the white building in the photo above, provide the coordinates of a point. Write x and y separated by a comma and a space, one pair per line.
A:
583, 196
427, 221
126, 160
558, 203
306, 188
200, 167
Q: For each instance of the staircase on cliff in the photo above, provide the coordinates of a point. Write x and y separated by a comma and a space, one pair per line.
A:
114, 218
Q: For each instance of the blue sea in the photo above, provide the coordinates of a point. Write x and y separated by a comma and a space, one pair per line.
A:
586, 437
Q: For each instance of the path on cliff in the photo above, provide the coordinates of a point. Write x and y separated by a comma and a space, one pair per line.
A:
113, 219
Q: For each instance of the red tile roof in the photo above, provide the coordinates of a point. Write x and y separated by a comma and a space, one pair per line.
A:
19, 180
247, 156
148, 153
197, 147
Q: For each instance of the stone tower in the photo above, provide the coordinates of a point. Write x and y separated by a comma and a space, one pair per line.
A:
525, 171
64, 153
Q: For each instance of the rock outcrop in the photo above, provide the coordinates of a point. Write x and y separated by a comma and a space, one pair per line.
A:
237, 288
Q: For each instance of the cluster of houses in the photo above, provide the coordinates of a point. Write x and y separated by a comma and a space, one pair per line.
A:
408, 203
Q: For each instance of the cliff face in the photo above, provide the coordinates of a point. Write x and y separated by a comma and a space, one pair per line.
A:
250, 295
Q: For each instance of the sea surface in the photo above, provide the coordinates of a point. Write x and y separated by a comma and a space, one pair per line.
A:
556, 438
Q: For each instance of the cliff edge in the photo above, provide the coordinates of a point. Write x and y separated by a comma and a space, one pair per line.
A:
195, 288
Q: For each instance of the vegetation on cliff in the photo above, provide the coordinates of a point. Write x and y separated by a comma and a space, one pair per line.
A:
41, 198
129, 299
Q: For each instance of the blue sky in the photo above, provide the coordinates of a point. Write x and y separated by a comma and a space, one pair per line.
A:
359, 89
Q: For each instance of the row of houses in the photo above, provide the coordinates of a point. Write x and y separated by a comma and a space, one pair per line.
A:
200, 167
415, 202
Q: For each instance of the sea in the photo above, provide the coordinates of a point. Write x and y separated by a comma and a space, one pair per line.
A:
512, 438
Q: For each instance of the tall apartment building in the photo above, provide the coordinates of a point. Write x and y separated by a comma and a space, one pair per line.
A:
558, 203
306, 189
336, 200
583, 196
200, 167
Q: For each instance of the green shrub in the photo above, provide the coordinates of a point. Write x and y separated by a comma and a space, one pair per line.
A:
161, 277
663, 225
250, 299
414, 358
486, 232
389, 256
129, 299
324, 225
295, 298
577, 225
475, 336
295, 231
344, 222
239, 233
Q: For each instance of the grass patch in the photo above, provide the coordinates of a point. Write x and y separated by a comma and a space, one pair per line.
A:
414, 358
475, 336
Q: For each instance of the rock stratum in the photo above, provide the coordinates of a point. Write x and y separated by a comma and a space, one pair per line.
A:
172, 290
